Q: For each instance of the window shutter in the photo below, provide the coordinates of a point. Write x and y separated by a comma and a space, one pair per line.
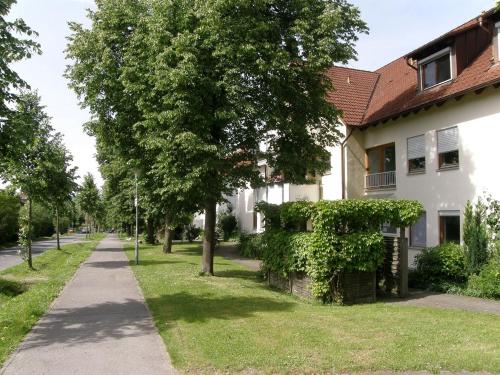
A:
447, 140
416, 147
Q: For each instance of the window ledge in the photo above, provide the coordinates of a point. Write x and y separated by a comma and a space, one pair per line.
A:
416, 172
382, 188
448, 81
452, 168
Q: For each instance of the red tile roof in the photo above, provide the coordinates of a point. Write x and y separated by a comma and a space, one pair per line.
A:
352, 92
368, 97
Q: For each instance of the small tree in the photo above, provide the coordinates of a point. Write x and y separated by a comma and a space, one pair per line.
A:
88, 198
29, 156
475, 237
61, 180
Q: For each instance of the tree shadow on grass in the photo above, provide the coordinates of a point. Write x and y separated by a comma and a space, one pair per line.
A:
190, 307
110, 321
11, 288
240, 274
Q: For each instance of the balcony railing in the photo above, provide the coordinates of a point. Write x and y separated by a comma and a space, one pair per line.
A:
381, 180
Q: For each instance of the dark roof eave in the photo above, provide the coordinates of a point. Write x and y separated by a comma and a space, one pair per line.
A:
494, 82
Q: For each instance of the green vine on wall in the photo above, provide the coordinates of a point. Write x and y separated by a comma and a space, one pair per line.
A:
345, 237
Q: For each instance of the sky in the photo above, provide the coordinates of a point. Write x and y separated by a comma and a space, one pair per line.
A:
396, 28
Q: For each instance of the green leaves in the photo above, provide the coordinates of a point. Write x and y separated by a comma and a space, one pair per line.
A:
345, 238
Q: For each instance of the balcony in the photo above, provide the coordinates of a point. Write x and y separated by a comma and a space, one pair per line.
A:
384, 180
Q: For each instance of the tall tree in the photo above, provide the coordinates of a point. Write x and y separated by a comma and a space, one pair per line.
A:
14, 46
29, 158
210, 81
61, 180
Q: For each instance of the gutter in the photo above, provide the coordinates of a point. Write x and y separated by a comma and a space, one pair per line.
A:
342, 158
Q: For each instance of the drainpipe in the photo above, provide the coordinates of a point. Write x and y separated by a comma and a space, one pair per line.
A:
342, 158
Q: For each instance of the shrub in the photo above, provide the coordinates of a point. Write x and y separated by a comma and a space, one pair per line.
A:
284, 252
487, 282
226, 225
475, 237
192, 232
9, 216
250, 245
438, 265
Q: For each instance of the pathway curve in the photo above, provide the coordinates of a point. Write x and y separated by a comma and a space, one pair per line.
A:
9, 257
98, 325
416, 298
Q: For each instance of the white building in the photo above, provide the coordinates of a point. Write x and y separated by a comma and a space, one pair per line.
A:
423, 127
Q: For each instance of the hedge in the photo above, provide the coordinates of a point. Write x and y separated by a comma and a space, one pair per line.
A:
345, 238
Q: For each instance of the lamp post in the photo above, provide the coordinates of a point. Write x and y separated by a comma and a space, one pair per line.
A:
136, 173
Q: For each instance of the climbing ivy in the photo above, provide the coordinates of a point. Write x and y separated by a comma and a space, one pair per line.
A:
345, 237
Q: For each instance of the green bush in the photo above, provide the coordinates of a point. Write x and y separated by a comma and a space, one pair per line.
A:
42, 220
439, 265
226, 225
192, 232
285, 252
250, 245
9, 216
475, 237
487, 282
345, 237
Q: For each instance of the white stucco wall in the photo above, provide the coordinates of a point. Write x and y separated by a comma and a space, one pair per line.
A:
478, 120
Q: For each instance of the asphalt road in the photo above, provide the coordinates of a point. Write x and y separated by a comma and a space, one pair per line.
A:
9, 256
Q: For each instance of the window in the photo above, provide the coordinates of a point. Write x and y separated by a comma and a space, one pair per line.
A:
381, 166
388, 228
254, 218
435, 69
381, 159
329, 161
447, 147
416, 154
418, 232
449, 226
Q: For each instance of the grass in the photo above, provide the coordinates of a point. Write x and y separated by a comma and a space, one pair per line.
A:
25, 295
234, 323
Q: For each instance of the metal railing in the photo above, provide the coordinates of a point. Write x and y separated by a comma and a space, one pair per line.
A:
380, 180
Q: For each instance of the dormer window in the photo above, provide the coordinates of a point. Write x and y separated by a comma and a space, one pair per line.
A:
435, 69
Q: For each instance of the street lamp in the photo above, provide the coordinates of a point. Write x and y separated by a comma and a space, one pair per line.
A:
136, 174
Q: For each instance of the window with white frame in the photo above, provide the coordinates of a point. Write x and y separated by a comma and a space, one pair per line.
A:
447, 148
418, 232
435, 69
416, 154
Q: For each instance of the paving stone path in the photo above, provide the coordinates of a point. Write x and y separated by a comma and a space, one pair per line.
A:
98, 325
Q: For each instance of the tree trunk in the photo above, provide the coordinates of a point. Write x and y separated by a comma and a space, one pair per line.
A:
207, 265
57, 229
167, 244
30, 233
150, 231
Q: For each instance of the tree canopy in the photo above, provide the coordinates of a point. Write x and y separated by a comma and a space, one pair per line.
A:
193, 89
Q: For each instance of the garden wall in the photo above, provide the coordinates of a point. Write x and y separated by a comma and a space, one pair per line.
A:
354, 287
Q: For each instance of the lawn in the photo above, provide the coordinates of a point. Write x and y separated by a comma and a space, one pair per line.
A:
233, 322
25, 295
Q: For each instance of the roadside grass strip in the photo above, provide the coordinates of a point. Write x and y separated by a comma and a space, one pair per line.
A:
25, 295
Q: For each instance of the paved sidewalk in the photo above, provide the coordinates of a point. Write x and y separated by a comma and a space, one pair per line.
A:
98, 325
230, 252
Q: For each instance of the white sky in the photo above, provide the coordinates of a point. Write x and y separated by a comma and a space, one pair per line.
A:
396, 27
